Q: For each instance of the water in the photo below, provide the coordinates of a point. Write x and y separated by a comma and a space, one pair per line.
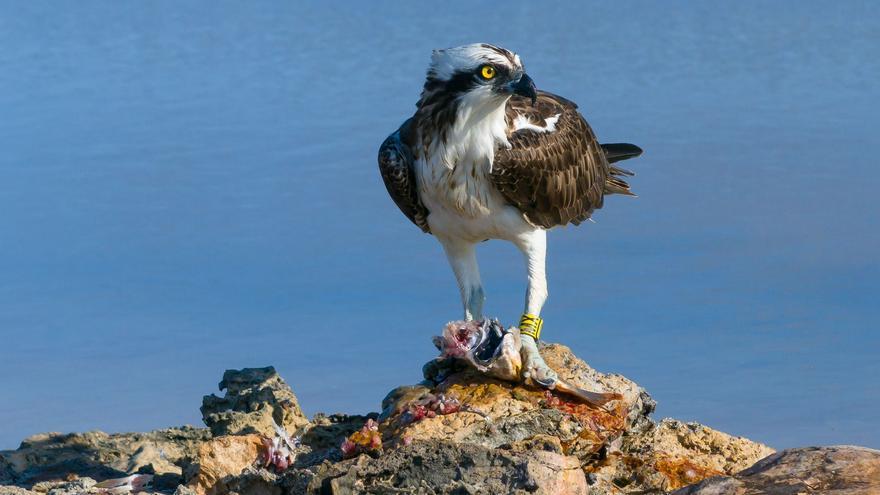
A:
190, 188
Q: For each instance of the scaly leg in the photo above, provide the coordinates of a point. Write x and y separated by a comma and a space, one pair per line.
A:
462, 257
534, 247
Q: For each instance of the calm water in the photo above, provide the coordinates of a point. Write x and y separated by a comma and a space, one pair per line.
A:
190, 188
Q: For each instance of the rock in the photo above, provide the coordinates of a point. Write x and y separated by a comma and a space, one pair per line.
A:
673, 454
618, 446
713, 449
74, 486
227, 464
98, 455
496, 412
323, 437
840, 470
220, 458
184, 490
552, 472
636, 401
255, 400
255, 481
7, 473
445, 468
457, 432
14, 490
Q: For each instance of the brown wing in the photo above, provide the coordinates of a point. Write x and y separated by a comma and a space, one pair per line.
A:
555, 177
396, 167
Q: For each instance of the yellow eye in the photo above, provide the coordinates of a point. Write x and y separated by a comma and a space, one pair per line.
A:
488, 72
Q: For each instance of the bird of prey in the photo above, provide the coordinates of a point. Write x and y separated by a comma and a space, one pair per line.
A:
488, 156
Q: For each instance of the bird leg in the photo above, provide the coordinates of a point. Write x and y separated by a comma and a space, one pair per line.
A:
534, 247
462, 257
534, 366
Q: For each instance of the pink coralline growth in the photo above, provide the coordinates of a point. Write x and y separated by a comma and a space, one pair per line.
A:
276, 454
279, 451
551, 400
348, 448
366, 439
430, 406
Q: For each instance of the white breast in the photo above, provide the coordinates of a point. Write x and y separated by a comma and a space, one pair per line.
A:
454, 182
453, 174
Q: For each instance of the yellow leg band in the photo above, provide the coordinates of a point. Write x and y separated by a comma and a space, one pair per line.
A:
531, 325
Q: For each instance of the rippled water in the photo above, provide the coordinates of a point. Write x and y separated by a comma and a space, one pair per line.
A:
189, 188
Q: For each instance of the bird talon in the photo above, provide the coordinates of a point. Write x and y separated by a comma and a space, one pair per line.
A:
534, 366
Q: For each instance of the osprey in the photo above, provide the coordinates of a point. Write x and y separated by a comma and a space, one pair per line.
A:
488, 156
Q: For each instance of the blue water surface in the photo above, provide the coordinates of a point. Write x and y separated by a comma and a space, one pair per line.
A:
187, 187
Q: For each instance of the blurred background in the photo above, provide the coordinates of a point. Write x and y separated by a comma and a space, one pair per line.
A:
186, 188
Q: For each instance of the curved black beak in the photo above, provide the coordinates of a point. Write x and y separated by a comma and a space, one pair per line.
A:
525, 87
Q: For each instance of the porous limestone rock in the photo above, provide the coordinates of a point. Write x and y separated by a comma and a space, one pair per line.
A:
672, 454
222, 457
15, 490
838, 470
618, 446
497, 437
95, 454
72, 485
255, 400
713, 449
446, 468
496, 412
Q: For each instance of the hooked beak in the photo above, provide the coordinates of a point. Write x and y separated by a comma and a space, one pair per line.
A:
525, 87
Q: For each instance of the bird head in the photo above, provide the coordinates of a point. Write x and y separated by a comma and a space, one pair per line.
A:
478, 75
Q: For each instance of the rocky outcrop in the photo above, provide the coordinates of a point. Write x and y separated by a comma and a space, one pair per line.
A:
537, 466
256, 399
840, 470
496, 412
458, 431
73, 486
672, 454
14, 490
98, 455
618, 447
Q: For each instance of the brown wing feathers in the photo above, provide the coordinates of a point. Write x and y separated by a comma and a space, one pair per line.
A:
557, 177
396, 167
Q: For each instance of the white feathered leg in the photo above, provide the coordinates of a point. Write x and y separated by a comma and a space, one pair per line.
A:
462, 257
534, 248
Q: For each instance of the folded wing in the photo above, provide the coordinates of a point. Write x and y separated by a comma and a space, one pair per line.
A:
555, 172
396, 167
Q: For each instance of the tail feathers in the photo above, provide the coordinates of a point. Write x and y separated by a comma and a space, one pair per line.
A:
614, 185
615, 152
